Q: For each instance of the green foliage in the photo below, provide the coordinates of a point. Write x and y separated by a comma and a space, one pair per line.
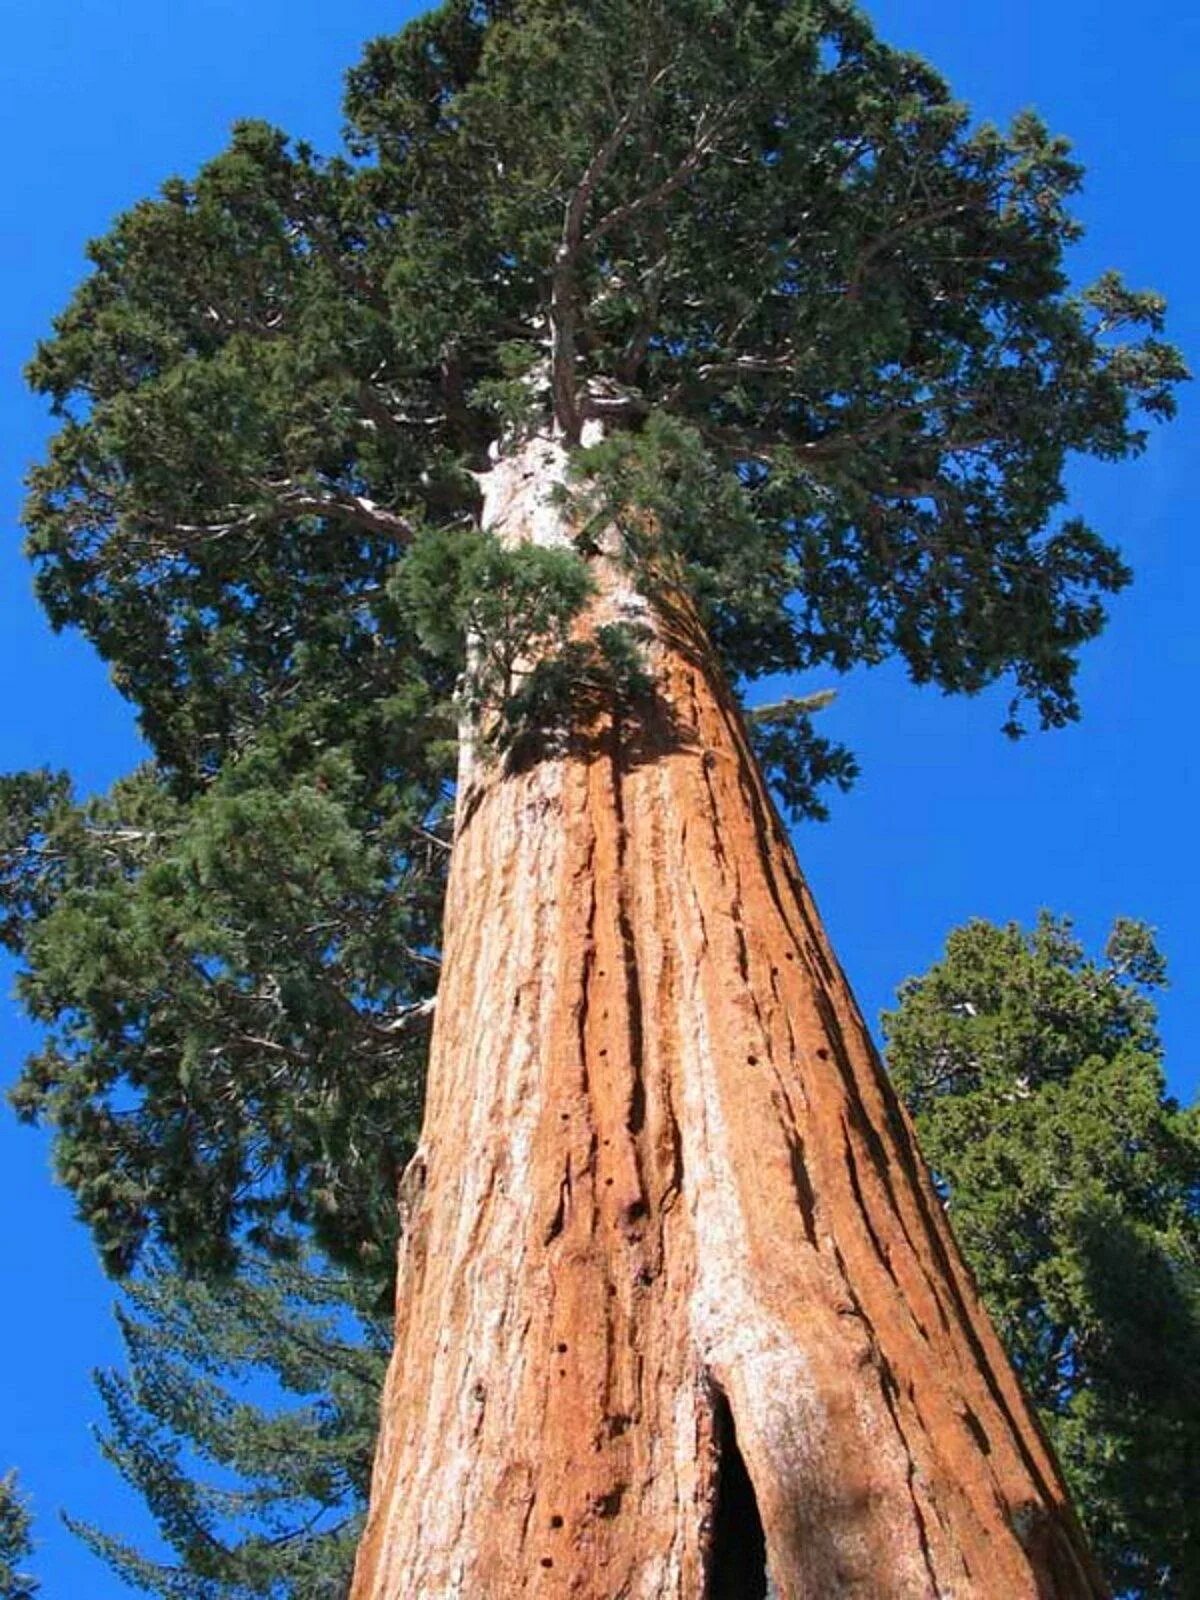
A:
500, 616
247, 1424
225, 987
828, 327
680, 511
798, 760
790, 243
504, 620
787, 237
1073, 1182
16, 1545
563, 693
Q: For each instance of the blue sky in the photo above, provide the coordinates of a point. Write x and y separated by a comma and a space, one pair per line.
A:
101, 99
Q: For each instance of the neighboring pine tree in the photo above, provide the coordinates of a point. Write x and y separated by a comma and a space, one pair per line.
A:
246, 1422
16, 1543
636, 350
1035, 1076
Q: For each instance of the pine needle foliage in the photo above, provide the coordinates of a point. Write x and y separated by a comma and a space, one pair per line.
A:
16, 1543
1073, 1181
225, 985
246, 1422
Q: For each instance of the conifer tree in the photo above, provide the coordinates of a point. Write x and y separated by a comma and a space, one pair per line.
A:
630, 353
16, 1543
259, 1498
1073, 1182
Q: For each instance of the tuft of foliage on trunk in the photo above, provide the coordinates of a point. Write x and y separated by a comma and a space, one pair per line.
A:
1035, 1076
247, 1424
827, 327
16, 1543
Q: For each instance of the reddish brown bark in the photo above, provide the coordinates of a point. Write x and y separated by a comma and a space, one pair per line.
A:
674, 1278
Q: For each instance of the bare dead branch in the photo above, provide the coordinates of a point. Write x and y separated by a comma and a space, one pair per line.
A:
411, 1019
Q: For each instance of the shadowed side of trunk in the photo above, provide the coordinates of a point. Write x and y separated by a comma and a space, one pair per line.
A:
680, 1315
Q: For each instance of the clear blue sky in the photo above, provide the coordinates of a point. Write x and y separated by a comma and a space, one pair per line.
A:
101, 99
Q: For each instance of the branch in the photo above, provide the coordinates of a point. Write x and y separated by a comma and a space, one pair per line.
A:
707, 134
764, 444
790, 707
563, 312
751, 364
806, 229
431, 838
654, 280
596, 168
420, 958
611, 399
735, 367
709, 129
869, 251
302, 502
381, 415
410, 1019
293, 500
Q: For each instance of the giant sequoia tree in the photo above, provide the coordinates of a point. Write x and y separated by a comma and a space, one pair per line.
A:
634, 351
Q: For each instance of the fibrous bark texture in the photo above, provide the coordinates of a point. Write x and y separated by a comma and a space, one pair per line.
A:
680, 1315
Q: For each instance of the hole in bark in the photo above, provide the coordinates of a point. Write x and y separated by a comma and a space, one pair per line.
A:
556, 1521
561, 1348
608, 1505
738, 1559
751, 1061
547, 1562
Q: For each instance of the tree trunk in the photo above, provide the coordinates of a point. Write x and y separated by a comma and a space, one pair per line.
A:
680, 1315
